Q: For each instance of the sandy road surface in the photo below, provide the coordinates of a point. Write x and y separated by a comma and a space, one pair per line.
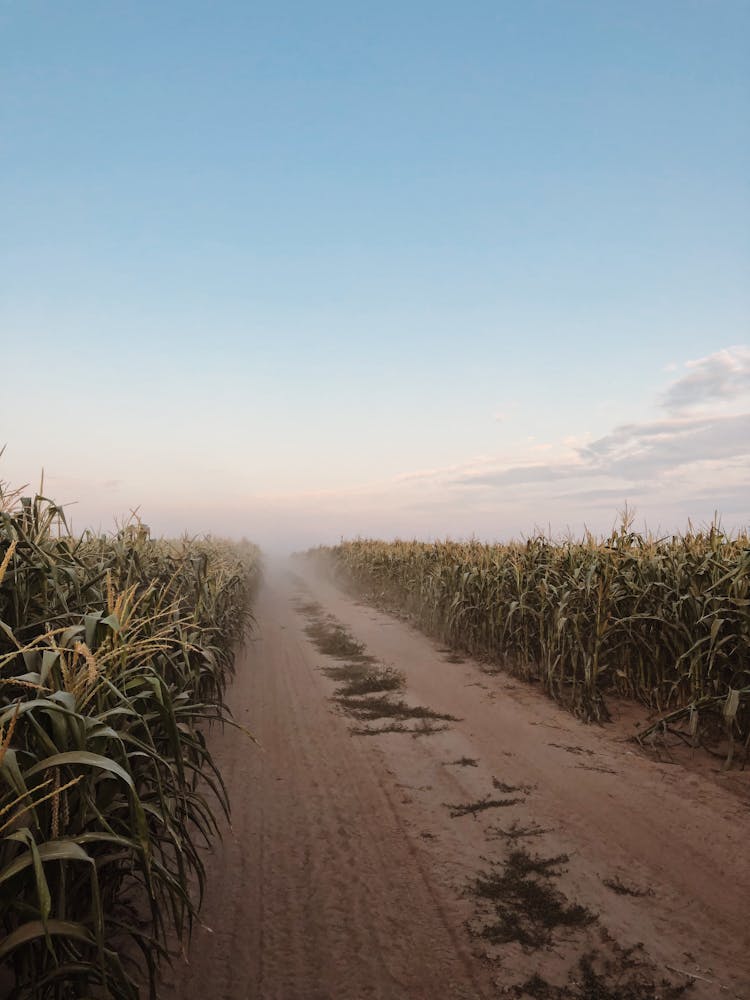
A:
344, 874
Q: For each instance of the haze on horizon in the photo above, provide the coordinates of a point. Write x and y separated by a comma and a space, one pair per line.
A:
296, 272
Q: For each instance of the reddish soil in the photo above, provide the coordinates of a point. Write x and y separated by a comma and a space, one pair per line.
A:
345, 875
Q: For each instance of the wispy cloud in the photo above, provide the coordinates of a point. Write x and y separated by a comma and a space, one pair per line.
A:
631, 452
722, 377
519, 474
638, 451
699, 447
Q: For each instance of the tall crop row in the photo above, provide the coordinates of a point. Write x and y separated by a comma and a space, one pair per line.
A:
114, 656
666, 621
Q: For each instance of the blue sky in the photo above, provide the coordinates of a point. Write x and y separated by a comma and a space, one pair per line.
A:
302, 270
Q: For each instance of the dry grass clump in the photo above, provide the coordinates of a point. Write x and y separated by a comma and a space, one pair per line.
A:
114, 653
472, 808
595, 977
623, 889
366, 686
334, 640
371, 681
381, 707
518, 832
524, 904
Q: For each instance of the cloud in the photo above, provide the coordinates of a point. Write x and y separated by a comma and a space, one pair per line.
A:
638, 451
632, 452
722, 377
690, 458
421, 474
696, 449
606, 497
517, 475
440, 473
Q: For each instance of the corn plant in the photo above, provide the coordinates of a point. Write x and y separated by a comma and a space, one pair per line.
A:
114, 656
662, 620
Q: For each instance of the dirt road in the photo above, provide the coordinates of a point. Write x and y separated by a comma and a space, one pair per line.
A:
347, 874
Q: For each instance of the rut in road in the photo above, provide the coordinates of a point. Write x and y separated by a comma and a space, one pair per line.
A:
344, 875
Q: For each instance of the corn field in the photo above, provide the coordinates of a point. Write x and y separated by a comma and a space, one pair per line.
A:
665, 621
114, 656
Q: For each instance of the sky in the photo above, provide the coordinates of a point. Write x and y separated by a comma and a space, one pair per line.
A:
302, 271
